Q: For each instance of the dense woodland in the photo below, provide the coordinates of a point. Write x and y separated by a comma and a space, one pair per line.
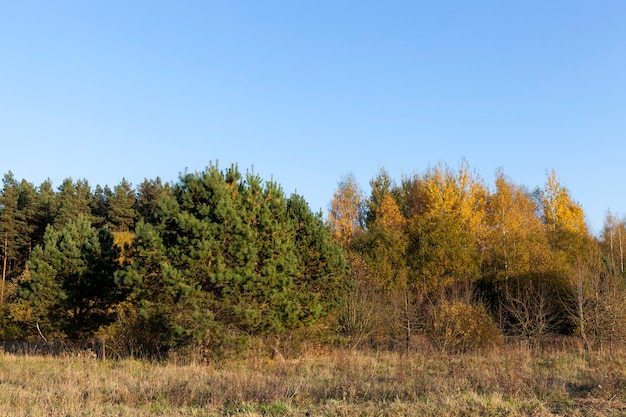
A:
220, 260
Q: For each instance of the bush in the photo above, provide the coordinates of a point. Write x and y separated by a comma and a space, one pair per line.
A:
460, 326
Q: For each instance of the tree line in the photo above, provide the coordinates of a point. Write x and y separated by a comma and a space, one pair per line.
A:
222, 258
443, 257
210, 261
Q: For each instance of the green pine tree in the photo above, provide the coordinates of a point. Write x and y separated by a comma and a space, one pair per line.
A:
13, 233
233, 253
69, 290
72, 200
148, 194
121, 207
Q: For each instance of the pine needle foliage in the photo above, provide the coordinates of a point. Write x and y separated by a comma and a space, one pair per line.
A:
227, 252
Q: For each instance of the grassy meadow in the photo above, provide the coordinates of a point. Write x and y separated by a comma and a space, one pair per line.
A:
515, 381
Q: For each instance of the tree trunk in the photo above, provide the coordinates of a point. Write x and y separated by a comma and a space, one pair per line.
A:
407, 314
621, 250
4, 268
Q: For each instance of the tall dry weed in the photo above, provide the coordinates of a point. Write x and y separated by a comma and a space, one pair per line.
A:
515, 381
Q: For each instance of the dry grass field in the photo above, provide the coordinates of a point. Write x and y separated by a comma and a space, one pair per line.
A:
515, 381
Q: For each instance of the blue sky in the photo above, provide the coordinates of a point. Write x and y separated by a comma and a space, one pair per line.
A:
307, 91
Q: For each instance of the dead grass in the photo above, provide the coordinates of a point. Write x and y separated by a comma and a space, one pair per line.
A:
511, 382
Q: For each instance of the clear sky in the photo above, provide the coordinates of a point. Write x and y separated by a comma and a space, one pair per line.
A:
307, 91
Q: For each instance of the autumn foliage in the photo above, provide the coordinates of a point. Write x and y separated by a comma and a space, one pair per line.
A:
466, 265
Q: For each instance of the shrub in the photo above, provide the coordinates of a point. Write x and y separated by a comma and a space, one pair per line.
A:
460, 326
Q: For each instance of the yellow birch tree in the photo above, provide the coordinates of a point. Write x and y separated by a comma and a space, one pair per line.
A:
346, 211
447, 238
560, 212
517, 243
